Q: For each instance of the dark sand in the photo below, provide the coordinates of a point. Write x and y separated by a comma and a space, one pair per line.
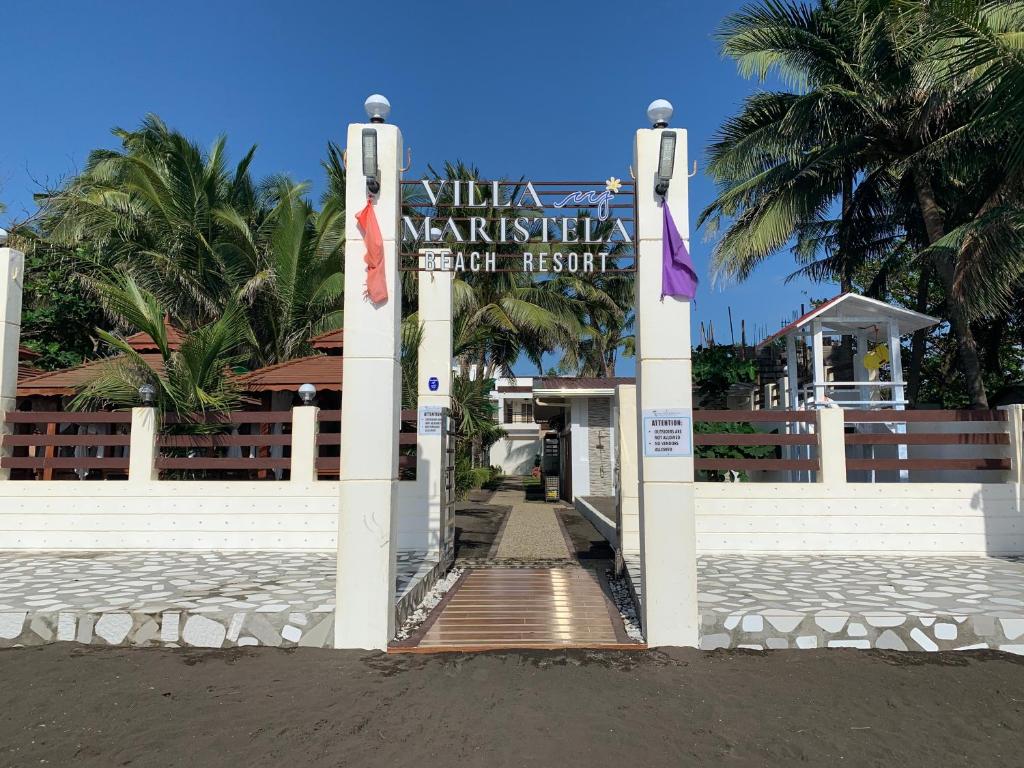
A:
70, 705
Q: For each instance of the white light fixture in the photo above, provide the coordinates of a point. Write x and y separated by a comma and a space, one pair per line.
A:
659, 112
666, 161
3, 237
306, 393
370, 169
435, 235
377, 108
147, 394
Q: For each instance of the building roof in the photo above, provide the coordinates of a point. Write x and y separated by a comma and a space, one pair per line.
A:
143, 342
579, 386
24, 353
322, 371
330, 341
851, 313
69, 381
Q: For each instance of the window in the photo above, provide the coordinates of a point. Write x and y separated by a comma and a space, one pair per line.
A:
519, 411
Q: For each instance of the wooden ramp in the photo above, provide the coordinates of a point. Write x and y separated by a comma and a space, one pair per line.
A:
490, 608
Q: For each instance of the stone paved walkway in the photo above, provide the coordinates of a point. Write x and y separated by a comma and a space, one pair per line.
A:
207, 599
858, 601
532, 531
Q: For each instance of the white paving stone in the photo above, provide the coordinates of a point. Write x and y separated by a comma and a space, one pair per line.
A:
919, 637
114, 627
203, 632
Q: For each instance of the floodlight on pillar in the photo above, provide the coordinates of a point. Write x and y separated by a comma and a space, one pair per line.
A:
370, 169
666, 162
377, 108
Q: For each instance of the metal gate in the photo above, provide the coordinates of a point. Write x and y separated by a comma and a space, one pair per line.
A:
448, 488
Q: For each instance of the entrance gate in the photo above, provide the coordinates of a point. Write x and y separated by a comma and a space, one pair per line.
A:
501, 226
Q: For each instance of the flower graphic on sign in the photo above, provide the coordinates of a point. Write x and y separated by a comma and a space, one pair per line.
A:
591, 197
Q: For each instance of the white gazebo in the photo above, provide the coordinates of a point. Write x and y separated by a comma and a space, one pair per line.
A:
870, 322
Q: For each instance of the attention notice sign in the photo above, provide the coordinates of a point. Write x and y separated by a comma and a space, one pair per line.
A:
668, 432
431, 419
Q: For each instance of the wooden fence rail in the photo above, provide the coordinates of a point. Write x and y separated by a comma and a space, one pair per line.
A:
751, 449
52, 445
915, 431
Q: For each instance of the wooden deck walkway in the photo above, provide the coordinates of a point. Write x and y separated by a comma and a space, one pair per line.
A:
499, 607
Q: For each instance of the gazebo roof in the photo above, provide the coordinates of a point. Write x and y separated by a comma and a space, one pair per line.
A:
851, 313
69, 381
331, 341
322, 371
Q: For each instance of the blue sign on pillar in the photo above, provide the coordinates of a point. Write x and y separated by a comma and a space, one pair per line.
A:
433, 383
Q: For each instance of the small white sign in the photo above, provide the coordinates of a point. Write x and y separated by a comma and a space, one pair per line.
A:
431, 419
668, 432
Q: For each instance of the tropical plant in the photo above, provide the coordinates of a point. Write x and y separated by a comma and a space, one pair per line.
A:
194, 377
202, 237
884, 151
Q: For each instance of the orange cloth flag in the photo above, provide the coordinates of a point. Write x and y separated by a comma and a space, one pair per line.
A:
376, 283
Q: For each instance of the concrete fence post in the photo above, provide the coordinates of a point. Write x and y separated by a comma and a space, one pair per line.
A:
1015, 428
830, 427
629, 485
668, 536
305, 426
370, 401
143, 451
12, 269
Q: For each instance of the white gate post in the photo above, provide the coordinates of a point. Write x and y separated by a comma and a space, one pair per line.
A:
434, 388
12, 272
370, 406
668, 546
629, 489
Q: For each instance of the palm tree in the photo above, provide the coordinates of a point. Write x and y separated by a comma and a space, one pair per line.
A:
193, 378
870, 131
200, 237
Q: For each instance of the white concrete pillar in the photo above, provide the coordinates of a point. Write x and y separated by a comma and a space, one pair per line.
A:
434, 390
370, 409
143, 450
12, 273
830, 426
1015, 427
668, 539
629, 477
305, 426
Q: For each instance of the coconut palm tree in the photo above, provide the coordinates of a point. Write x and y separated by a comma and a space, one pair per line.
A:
201, 237
191, 378
870, 131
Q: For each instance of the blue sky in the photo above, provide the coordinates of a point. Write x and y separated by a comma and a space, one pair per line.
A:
542, 89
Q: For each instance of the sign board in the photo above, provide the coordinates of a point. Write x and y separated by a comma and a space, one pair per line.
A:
433, 383
547, 227
668, 432
431, 418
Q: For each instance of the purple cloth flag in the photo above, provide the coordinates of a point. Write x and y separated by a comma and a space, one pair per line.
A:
678, 277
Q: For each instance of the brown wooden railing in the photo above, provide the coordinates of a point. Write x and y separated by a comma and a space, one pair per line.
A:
755, 450
917, 430
67, 446
328, 441
201, 447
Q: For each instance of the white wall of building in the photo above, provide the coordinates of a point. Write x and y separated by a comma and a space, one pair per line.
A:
580, 424
516, 452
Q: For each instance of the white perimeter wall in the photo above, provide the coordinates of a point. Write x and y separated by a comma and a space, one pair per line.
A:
913, 518
188, 515
515, 454
910, 518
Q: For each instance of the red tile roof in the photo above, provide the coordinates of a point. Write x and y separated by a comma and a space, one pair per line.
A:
143, 342
322, 371
69, 381
331, 340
